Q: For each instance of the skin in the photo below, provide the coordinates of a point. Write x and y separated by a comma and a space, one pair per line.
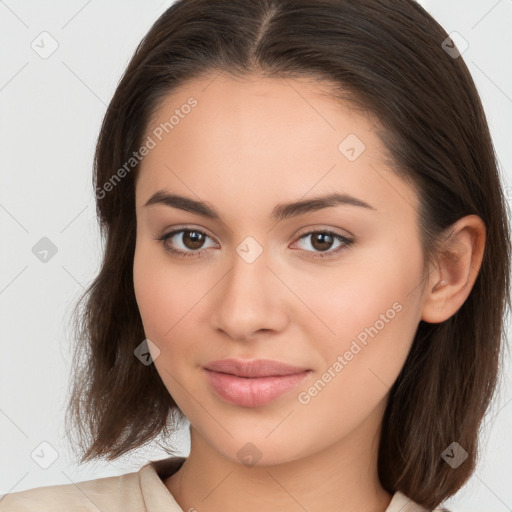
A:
249, 145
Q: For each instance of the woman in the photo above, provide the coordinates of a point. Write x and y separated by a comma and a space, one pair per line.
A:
307, 257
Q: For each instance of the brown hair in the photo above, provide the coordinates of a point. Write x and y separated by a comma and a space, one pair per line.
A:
388, 57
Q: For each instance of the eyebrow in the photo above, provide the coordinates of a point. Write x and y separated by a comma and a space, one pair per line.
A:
280, 212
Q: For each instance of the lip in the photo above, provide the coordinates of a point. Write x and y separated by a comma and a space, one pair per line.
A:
252, 383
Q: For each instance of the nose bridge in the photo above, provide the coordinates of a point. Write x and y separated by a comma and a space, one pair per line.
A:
249, 299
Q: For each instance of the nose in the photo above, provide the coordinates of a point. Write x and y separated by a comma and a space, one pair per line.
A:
250, 300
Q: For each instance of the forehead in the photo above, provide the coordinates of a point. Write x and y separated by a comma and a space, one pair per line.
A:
267, 135
235, 106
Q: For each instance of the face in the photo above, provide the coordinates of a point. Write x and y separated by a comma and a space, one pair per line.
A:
331, 289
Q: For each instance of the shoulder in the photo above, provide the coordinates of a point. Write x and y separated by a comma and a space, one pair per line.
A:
401, 503
106, 494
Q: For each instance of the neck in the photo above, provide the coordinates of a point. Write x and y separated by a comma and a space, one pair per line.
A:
342, 478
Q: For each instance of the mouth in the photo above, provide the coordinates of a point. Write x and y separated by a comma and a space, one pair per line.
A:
254, 368
252, 383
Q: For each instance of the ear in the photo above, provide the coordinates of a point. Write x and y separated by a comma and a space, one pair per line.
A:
459, 261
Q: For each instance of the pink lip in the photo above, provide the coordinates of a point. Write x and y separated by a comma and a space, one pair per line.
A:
253, 383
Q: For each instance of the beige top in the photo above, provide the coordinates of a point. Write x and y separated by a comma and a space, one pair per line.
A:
141, 491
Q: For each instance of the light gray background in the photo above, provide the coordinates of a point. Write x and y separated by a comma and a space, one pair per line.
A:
51, 110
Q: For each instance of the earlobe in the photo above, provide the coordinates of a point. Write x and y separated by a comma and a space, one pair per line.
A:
459, 263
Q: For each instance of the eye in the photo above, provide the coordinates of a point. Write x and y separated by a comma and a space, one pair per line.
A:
323, 240
192, 242
192, 239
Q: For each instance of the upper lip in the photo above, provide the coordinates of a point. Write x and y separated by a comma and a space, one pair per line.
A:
253, 368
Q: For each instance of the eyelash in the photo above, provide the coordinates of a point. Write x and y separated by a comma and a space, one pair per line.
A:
347, 242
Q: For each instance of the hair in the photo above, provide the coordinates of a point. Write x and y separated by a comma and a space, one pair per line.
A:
387, 57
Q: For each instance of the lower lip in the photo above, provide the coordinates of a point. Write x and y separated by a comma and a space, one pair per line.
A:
252, 392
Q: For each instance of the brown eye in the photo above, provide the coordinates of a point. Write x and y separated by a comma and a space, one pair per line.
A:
192, 239
322, 242
184, 242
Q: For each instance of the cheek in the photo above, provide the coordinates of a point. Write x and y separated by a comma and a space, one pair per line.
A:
156, 290
162, 302
370, 311
374, 332
168, 295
